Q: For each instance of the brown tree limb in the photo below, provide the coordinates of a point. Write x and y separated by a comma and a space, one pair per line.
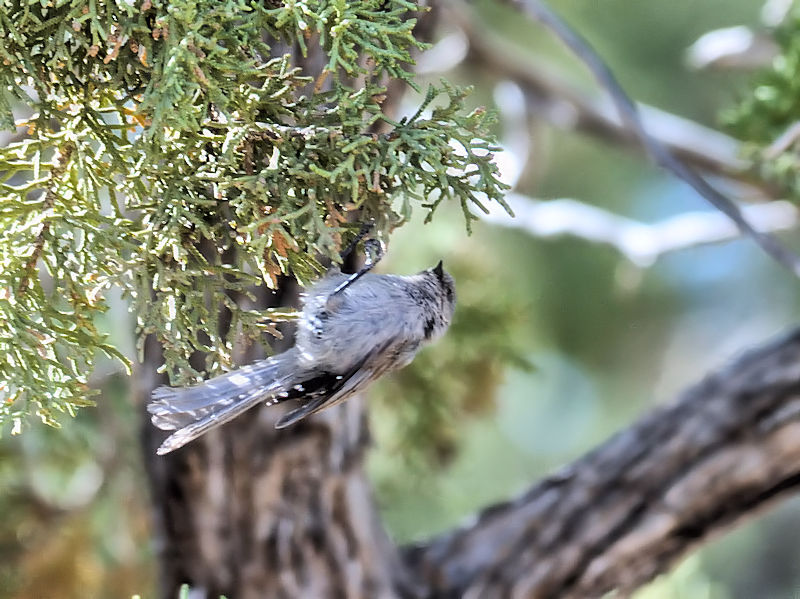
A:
631, 508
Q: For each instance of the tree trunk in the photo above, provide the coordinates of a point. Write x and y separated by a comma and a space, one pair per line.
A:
250, 511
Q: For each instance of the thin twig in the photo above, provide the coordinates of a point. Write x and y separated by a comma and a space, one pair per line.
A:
60, 163
784, 141
641, 243
538, 10
561, 104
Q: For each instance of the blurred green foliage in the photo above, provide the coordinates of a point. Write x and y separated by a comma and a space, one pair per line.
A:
687, 581
770, 109
76, 521
419, 411
773, 103
167, 156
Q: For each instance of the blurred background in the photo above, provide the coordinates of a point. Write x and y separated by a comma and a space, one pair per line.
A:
559, 340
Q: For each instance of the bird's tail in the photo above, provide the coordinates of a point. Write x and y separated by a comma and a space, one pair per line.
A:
191, 411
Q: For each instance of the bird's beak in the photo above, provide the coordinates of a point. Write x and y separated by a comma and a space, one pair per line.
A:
437, 270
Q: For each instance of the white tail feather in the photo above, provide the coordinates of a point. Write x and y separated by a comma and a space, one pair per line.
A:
191, 411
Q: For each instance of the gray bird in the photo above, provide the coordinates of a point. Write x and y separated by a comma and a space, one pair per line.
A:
352, 330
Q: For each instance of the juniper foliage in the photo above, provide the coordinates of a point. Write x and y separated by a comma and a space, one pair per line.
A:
768, 110
170, 155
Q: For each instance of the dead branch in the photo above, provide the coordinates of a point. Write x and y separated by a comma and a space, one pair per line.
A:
627, 511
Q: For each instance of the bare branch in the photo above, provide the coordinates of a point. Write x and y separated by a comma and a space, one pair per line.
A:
659, 153
564, 106
731, 48
641, 243
775, 12
631, 508
538, 10
785, 140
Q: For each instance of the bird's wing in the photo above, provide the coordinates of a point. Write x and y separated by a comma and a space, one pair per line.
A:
331, 390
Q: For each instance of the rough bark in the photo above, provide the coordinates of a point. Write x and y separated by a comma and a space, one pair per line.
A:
250, 511
628, 510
